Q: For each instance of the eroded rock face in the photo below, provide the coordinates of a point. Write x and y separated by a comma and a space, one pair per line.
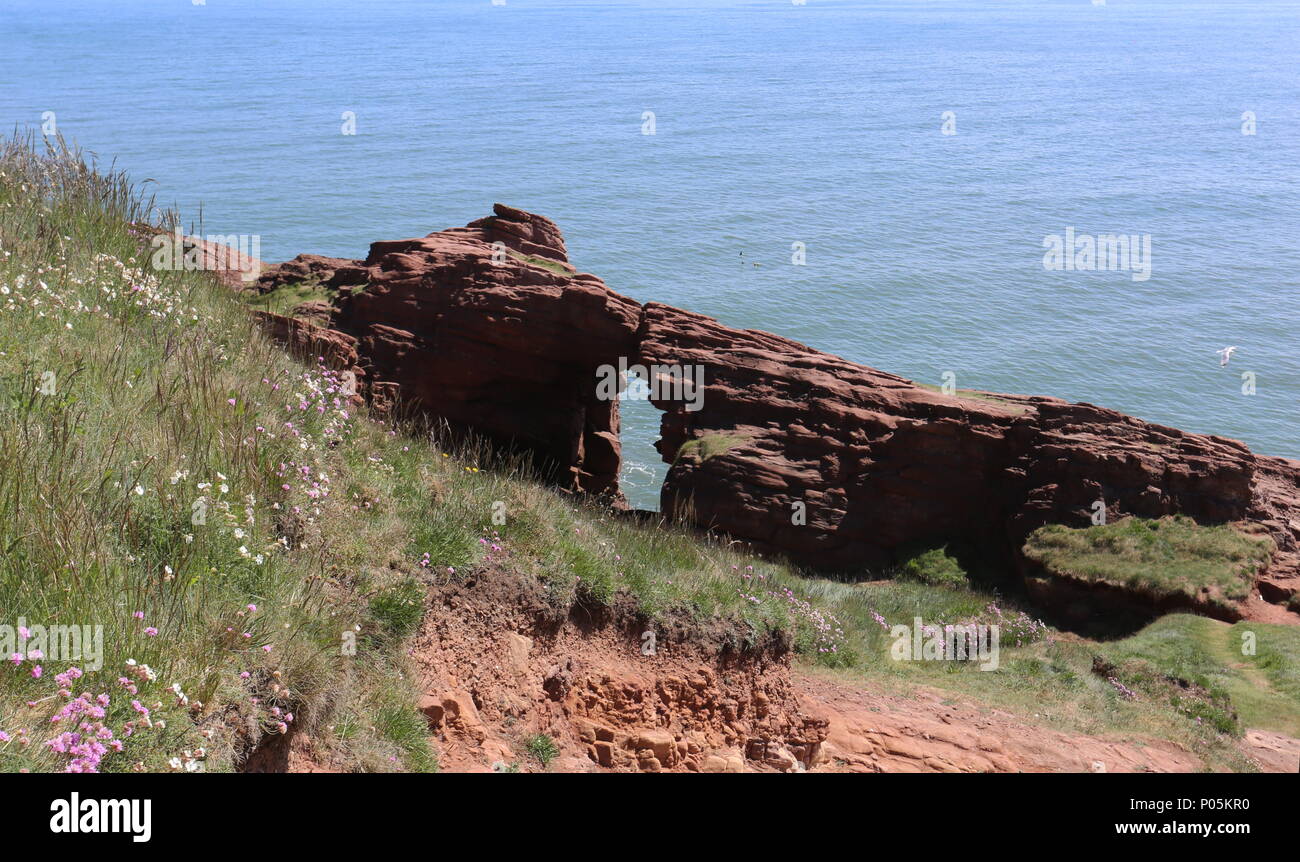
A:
307, 339
836, 464
500, 662
489, 328
875, 462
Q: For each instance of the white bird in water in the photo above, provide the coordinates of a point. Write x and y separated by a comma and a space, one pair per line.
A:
1225, 354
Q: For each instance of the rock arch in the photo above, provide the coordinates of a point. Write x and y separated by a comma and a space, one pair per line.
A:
490, 328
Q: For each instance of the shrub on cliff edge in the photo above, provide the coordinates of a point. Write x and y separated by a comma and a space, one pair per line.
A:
934, 567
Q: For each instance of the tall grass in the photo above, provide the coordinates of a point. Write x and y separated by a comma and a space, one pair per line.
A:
155, 487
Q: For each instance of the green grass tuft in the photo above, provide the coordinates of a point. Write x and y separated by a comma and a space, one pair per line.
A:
542, 747
935, 567
285, 298
398, 609
710, 446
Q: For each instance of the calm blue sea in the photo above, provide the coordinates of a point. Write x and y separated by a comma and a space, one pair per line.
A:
774, 123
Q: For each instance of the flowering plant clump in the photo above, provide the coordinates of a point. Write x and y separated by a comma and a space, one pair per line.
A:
1124, 691
82, 734
491, 547
491, 544
85, 746
269, 697
108, 289
1014, 629
817, 632
1019, 629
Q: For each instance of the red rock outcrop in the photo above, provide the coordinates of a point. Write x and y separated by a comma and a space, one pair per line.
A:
488, 328
874, 462
329, 271
308, 340
836, 464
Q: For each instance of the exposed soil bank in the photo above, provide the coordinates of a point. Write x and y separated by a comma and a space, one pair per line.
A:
500, 663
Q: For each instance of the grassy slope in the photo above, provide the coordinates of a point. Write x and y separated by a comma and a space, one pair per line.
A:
331, 525
1050, 680
1262, 685
136, 404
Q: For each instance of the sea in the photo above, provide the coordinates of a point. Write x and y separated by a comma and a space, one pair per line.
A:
911, 185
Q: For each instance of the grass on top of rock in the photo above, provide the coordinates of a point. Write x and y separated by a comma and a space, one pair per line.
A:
286, 297
554, 266
708, 446
1172, 556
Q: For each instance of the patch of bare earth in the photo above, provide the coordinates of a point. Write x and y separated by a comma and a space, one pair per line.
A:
501, 662
290, 752
870, 731
1272, 752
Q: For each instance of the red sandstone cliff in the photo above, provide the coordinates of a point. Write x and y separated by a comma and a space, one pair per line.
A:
491, 329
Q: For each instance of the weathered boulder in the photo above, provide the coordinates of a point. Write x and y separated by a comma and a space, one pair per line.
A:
310, 341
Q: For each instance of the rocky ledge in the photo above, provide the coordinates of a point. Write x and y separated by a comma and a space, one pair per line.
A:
490, 329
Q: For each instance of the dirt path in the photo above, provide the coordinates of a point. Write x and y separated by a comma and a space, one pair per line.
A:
870, 731
1274, 752
1256, 610
1216, 643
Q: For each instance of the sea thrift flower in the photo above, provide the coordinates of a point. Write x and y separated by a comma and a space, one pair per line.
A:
65, 679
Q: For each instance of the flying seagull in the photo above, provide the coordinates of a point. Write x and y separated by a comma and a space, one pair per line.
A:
1224, 355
